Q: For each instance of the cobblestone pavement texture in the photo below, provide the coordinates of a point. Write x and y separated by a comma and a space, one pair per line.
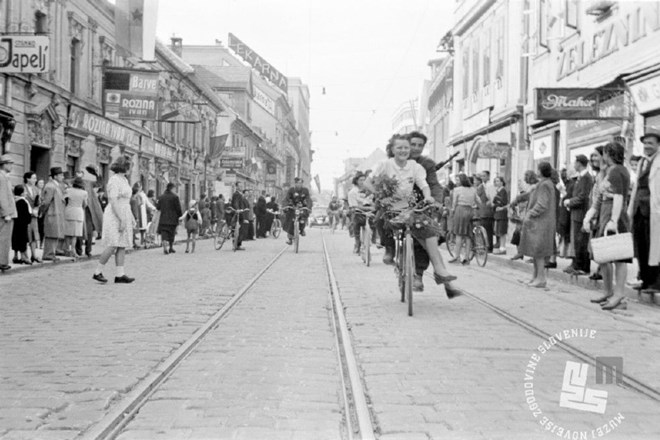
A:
71, 348
457, 370
268, 371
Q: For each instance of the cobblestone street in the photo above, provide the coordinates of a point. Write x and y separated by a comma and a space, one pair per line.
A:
73, 350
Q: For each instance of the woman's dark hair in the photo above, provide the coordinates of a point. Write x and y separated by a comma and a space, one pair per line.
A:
451, 185
464, 180
169, 187
600, 149
78, 183
357, 178
531, 177
476, 180
501, 180
221, 197
19, 190
121, 165
151, 193
616, 151
545, 169
27, 176
390, 143
136, 188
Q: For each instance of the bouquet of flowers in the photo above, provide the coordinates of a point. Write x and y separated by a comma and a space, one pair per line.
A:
385, 189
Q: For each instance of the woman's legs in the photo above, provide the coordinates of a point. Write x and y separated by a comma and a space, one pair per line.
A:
606, 271
468, 249
431, 246
539, 272
621, 273
457, 248
188, 242
194, 237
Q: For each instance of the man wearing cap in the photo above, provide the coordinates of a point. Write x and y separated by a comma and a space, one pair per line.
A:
578, 204
7, 211
296, 197
52, 208
645, 212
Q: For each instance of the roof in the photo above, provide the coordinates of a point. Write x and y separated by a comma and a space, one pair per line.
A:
173, 58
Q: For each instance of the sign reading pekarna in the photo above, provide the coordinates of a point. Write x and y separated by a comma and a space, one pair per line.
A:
258, 63
131, 94
24, 54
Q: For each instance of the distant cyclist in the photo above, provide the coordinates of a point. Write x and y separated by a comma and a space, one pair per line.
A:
296, 197
334, 212
360, 198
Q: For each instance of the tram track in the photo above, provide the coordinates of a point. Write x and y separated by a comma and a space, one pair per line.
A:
123, 412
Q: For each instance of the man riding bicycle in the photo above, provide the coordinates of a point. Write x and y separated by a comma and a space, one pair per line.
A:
359, 197
334, 212
296, 197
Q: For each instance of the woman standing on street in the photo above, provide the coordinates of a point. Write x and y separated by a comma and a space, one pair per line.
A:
74, 214
464, 200
538, 229
19, 235
118, 222
501, 216
170, 212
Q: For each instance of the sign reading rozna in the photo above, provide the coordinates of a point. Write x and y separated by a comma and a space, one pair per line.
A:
24, 54
258, 63
131, 94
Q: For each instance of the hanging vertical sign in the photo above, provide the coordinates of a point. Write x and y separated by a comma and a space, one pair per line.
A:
262, 66
135, 27
130, 94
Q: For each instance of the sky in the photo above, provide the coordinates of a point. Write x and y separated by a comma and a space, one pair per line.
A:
369, 56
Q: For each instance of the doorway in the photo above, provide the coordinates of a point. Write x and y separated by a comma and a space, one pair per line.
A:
40, 162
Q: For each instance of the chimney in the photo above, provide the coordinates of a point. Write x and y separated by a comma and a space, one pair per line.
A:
177, 45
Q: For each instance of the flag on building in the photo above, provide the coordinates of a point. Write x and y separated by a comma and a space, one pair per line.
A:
135, 26
317, 180
217, 145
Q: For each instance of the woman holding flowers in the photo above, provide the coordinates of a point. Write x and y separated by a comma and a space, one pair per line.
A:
393, 182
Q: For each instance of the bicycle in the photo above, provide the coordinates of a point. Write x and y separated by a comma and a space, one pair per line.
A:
222, 233
365, 235
296, 226
478, 247
333, 216
276, 227
404, 265
234, 230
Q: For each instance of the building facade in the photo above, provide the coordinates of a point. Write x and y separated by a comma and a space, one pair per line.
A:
439, 106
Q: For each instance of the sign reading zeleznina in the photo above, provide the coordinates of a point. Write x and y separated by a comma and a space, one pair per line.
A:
264, 100
131, 94
24, 54
258, 63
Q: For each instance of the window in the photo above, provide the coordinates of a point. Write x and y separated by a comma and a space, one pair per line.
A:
499, 71
466, 71
572, 13
487, 58
40, 23
75, 66
475, 66
543, 23
71, 165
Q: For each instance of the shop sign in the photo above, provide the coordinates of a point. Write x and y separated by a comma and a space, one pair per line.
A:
131, 94
232, 162
579, 129
24, 54
271, 180
573, 103
646, 95
629, 27
259, 64
96, 125
542, 147
493, 150
158, 149
264, 100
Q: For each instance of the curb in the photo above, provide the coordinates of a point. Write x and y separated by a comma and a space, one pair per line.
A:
559, 275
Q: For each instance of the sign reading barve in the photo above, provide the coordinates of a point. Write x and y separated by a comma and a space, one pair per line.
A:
131, 94
262, 66
24, 54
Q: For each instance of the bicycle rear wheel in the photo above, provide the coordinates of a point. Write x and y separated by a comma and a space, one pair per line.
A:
408, 271
451, 244
400, 269
296, 235
367, 244
480, 247
276, 228
221, 236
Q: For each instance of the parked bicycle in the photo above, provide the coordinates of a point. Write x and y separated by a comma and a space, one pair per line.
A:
276, 227
478, 247
405, 257
296, 225
365, 235
227, 231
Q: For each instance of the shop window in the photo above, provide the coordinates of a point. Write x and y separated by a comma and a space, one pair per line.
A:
72, 165
40, 23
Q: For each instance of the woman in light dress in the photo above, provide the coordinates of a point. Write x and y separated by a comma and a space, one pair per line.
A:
118, 222
74, 214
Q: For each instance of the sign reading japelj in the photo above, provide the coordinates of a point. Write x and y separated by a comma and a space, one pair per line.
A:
130, 94
24, 54
258, 63
567, 104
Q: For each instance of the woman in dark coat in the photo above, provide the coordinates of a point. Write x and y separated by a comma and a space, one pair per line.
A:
501, 215
170, 212
537, 238
19, 235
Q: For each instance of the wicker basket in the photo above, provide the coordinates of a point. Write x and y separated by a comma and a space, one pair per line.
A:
612, 248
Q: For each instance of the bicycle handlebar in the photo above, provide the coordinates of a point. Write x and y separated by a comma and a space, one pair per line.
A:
230, 209
286, 208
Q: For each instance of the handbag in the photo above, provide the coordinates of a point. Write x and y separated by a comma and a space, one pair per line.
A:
515, 237
614, 247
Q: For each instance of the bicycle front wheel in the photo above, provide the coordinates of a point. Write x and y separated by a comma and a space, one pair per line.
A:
296, 235
480, 247
367, 244
221, 236
451, 244
408, 271
276, 228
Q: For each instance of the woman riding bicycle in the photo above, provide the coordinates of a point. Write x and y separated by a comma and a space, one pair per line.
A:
409, 173
359, 198
334, 212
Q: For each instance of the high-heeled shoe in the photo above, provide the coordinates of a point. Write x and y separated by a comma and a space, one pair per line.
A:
453, 260
618, 303
539, 285
452, 293
517, 257
27, 262
35, 260
440, 279
601, 300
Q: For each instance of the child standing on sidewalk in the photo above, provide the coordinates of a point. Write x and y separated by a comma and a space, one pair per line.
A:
192, 220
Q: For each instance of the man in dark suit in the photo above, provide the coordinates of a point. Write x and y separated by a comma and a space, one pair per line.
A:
238, 201
578, 204
260, 213
296, 197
